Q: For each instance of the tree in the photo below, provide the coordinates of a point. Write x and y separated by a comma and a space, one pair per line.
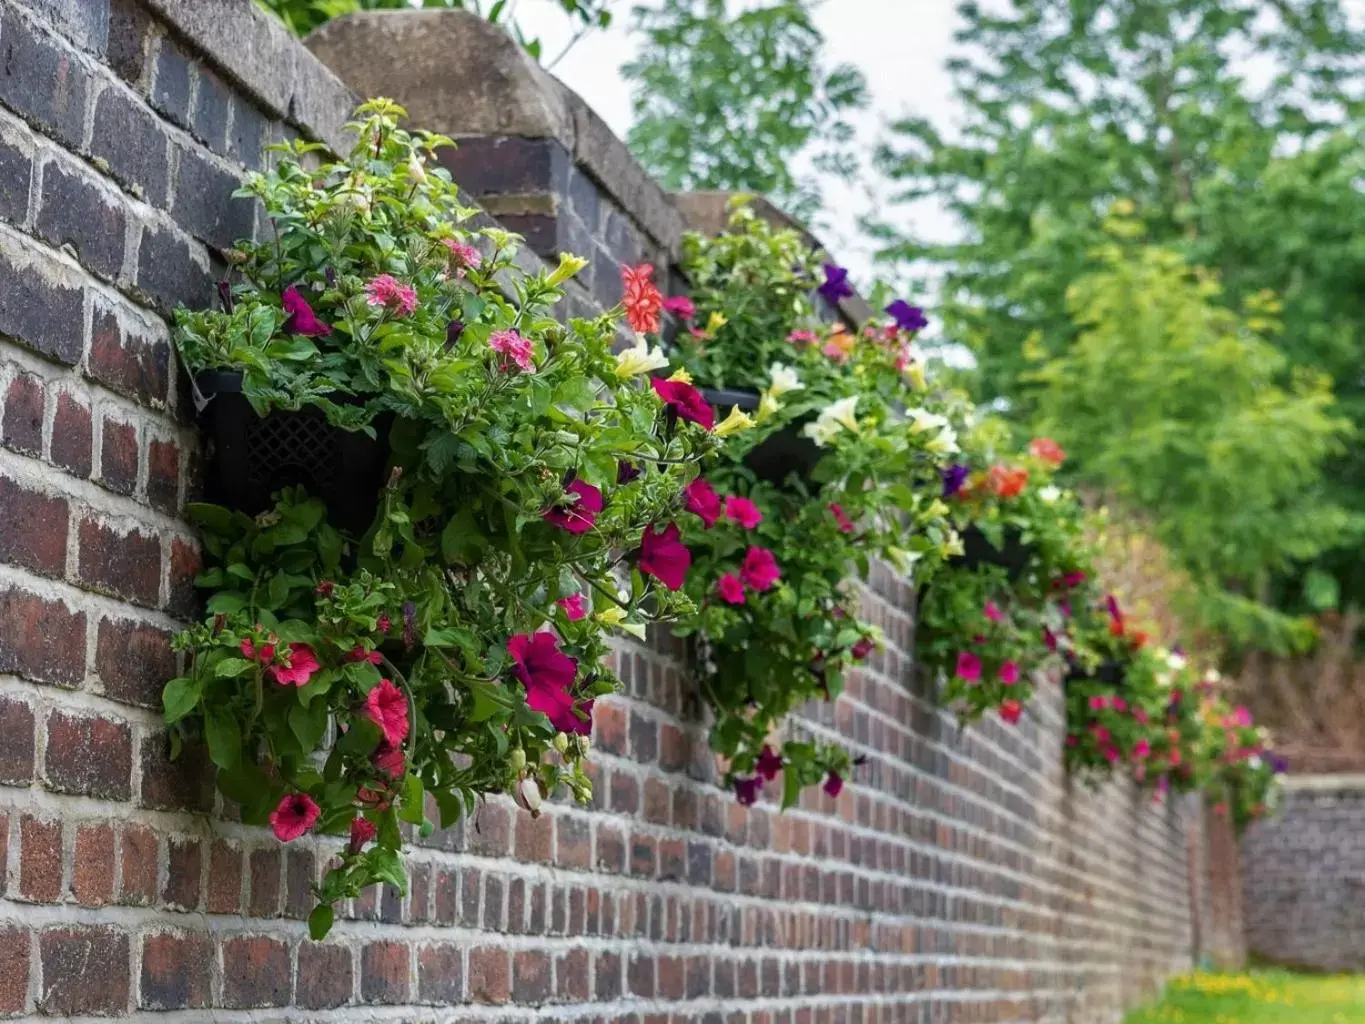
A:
1247, 167
730, 101
1171, 402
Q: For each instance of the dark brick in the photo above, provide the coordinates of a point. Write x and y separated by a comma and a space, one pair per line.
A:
163, 475
35, 529
40, 859
185, 565
491, 834
325, 976
119, 456
85, 970
573, 840
130, 32
127, 565
299, 875
130, 140
608, 977
92, 868
211, 102
14, 957
89, 756
644, 738
84, 22
41, 81
640, 975
440, 974
42, 640
267, 882
572, 976
531, 976
384, 973
585, 199
76, 213
225, 878
184, 784
508, 166
170, 92
39, 312
73, 436
184, 861
134, 661
256, 972
16, 173
204, 205
127, 362
176, 971
540, 230
249, 136
22, 428
140, 858
489, 975
168, 274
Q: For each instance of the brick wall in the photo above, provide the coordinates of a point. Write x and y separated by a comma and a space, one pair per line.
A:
960, 877
1304, 876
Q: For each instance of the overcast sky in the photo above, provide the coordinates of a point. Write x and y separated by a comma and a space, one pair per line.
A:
898, 44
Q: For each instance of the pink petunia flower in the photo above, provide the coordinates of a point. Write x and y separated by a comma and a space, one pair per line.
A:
362, 832
862, 648
664, 556
580, 516
572, 606
968, 667
302, 663
463, 256
1098, 703
514, 348
703, 501
801, 338
742, 511
294, 815
387, 291
387, 708
731, 588
759, 569
1141, 749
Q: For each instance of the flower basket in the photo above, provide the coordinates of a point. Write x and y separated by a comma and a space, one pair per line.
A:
977, 550
251, 456
775, 458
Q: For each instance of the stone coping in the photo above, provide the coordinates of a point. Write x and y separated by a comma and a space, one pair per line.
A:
1324, 783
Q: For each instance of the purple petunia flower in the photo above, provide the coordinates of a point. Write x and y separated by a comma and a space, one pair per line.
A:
954, 477
1277, 763
908, 318
836, 284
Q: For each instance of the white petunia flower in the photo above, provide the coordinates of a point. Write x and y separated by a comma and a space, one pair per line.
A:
784, 379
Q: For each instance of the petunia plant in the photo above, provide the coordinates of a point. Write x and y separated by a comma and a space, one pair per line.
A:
361, 684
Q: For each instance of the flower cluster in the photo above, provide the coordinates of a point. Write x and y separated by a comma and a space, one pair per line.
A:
345, 682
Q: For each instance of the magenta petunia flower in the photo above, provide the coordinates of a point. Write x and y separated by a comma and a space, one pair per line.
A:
580, 516
834, 784
681, 306
747, 790
742, 511
846, 525
387, 291
1141, 749
387, 708
300, 320
703, 501
759, 569
300, 668
862, 648
686, 401
548, 675
731, 589
1098, 703
516, 350
360, 654
1009, 673
664, 556
572, 607
968, 667
993, 612
769, 763
294, 815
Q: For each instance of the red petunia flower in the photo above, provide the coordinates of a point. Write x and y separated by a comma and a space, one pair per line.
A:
1007, 481
742, 511
731, 589
664, 556
387, 708
685, 400
548, 675
362, 832
703, 501
642, 299
846, 525
359, 653
581, 516
295, 814
389, 761
759, 569
302, 664
1048, 450
301, 319
1010, 710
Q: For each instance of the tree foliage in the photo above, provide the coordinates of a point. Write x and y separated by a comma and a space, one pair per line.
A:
728, 100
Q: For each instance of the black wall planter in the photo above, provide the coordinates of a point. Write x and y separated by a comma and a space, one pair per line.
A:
977, 550
786, 452
250, 457
1109, 672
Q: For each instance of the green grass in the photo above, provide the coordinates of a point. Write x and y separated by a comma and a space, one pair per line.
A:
1260, 997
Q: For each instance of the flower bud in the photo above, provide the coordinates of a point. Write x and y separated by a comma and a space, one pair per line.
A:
561, 742
517, 760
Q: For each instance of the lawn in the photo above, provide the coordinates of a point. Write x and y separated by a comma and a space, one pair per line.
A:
1261, 997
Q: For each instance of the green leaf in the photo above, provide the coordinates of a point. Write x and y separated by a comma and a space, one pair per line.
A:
224, 738
180, 697
387, 867
226, 603
360, 739
488, 702
308, 724
320, 921
462, 541
232, 667
412, 808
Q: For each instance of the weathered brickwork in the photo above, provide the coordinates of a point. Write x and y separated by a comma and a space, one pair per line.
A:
1304, 876
960, 877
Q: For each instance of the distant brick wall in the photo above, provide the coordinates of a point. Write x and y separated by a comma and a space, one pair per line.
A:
959, 878
1304, 876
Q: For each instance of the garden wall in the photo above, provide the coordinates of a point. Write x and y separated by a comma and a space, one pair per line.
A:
1304, 880
958, 878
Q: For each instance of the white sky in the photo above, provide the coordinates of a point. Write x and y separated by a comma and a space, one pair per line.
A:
899, 45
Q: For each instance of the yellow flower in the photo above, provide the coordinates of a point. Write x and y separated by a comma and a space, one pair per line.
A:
944, 444
922, 420
767, 407
914, 373
716, 322
737, 422
612, 615
640, 359
569, 265
952, 545
681, 376
903, 560
936, 510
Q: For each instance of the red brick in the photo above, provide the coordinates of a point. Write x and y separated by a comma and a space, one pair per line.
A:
186, 564
163, 475
92, 871
531, 976
128, 363
571, 976
644, 738
118, 455
225, 878
611, 848
535, 838
176, 970
134, 661
22, 427
573, 842
670, 983
183, 784
73, 436
14, 957
40, 859
266, 882
256, 972
300, 870
640, 975
607, 977
325, 976
490, 975
16, 743
440, 974
184, 858
609, 727
384, 972
673, 744
140, 862
35, 530
42, 640
89, 755
491, 833
124, 564
657, 807
85, 970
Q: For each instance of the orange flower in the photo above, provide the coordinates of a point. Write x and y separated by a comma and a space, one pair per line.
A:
642, 298
840, 344
1007, 481
1048, 450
